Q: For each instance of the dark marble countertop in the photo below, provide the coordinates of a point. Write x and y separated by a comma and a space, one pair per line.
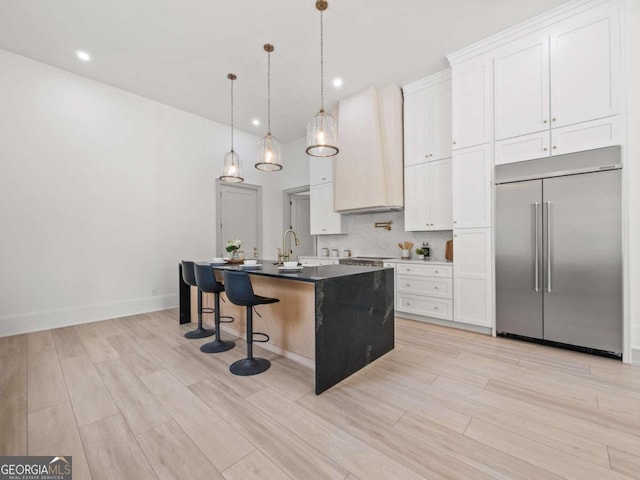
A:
307, 274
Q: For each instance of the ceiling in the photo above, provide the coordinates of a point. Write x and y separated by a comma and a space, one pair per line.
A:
179, 52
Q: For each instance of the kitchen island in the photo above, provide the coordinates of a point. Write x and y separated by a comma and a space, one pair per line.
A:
336, 318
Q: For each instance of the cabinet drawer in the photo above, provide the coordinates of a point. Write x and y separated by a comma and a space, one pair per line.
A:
419, 285
445, 271
586, 136
428, 306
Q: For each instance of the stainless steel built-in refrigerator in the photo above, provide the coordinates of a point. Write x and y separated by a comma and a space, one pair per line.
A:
559, 250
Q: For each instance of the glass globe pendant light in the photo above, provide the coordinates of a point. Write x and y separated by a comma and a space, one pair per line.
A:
231, 169
269, 147
322, 133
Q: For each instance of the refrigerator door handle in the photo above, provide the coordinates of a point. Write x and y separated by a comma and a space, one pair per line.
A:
536, 247
548, 246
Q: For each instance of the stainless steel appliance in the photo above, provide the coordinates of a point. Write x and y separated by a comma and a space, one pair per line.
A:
559, 250
364, 261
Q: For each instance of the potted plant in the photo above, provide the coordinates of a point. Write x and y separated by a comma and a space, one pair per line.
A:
406, 250
420, 253
232, 247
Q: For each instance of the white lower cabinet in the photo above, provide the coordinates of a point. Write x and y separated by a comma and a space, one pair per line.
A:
472, 276
425, 290
323, 219
317, 261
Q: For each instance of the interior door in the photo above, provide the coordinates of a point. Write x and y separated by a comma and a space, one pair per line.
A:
239, 215
583, 258
518, 226
300, 215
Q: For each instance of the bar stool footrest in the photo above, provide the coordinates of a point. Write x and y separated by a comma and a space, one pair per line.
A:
227, 321
260, 341
208, 310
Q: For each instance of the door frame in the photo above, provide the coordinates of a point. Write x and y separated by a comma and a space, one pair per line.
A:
286, 210
218, 202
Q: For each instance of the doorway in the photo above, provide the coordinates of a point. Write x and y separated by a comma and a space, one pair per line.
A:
297, 217
239, 215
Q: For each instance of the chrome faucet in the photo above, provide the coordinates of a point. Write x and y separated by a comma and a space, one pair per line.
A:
282, 256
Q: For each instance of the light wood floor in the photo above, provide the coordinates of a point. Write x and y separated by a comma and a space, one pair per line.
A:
132, 399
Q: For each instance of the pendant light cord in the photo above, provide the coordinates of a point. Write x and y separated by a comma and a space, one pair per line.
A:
232, 115
268, 93
321, 63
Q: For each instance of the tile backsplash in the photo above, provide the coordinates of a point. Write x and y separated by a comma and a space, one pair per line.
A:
364, 239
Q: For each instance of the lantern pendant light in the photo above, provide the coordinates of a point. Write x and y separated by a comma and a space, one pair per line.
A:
322, 133
231, 169
269, 147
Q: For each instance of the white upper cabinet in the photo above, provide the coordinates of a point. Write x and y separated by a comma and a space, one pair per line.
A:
472, 102
320, 170
521, 72
585, 67
324, 221
567, 75
472, 187
427, 119
427, 204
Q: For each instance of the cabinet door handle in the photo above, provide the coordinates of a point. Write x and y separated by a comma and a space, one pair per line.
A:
435, 308
553, 119
408, 269
454, 142
545, 149
455, 221
546, 121
323, 178
554, 147
437, 271
436, 288
408, 284
408, 304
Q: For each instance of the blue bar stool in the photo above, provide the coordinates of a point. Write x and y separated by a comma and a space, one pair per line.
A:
206, 280
240, 292
189, 277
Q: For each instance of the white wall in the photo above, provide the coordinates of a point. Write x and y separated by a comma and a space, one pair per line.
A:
296, 164
633, 174
102, 192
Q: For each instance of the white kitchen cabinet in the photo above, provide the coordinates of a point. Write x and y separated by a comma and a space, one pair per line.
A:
521, 76
395, 286
472, 102
524, 147
559, 82
428, 196
427, 119
324, 221
586, 136
317, 261
472, 276
320, 170
425, 290
472, 187
585, 67
603, 132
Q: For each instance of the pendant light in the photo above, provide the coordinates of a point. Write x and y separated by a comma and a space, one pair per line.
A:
269, 147
231, 169
322, 134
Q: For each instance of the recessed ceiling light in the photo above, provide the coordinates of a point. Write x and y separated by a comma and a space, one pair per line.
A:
255, 121
337, 82
82, 55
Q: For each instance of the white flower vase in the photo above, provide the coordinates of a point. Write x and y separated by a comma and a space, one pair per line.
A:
406, 254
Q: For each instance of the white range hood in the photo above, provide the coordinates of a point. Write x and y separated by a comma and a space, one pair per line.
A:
368, 171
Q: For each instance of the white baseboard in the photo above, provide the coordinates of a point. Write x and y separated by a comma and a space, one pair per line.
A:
635, 355
444, 323
63, 317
